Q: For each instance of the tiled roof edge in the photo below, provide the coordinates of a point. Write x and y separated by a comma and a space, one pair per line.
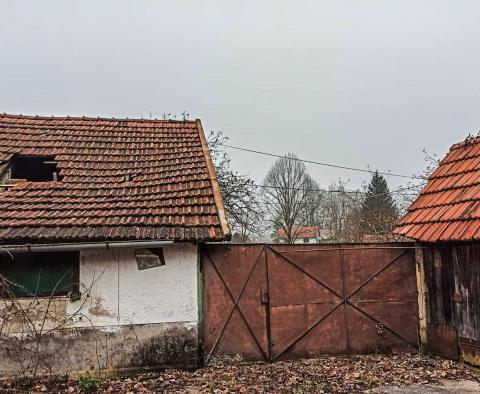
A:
215, 186
471, 140
92, 118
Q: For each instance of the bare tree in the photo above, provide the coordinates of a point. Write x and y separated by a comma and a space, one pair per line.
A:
291, 196
250, 226
366, 213
341, 213
239, 191
410, 191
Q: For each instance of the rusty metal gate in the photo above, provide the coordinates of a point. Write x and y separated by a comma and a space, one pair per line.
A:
270, 302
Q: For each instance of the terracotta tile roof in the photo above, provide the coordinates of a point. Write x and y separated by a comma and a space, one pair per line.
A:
300, 232
448, 208
123, 179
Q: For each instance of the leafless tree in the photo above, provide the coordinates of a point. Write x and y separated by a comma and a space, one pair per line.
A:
347, 217
341, 213
411, 190
291, 197
239, 191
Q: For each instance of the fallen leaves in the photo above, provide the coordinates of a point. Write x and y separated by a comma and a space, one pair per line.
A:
328, 374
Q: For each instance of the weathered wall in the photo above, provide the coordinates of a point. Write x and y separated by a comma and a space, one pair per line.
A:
148, 346
452, 276
125, 317
124, 295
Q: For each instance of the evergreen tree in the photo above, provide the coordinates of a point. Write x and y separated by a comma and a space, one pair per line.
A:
379, 212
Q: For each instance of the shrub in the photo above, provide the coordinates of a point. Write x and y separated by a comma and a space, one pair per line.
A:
89, 383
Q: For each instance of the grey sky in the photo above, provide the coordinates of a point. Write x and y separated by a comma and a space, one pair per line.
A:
350, 82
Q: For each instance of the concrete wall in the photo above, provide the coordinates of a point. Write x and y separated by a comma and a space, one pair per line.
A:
125, 317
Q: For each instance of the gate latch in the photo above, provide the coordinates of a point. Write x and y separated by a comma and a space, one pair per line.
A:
380, 329
264, 298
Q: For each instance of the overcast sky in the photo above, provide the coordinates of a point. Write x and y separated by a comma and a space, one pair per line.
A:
357, 83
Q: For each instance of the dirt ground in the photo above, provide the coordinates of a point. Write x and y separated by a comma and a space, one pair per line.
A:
442, 387
349, 374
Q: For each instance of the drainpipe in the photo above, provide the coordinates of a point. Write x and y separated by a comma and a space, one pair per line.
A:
10, 249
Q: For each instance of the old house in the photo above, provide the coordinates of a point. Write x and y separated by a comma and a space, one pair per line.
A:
100, 226
445, 220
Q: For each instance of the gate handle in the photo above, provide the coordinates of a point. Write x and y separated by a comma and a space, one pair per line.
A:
264, 298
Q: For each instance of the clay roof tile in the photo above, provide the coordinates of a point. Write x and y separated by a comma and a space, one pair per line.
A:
121, 179
448, 208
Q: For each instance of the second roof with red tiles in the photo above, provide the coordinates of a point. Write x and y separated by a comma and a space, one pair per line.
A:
448, 208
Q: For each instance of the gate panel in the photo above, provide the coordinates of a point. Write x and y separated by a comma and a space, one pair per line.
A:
324, 264
382, 285
268, 302
304, 331
293, 283
235, 281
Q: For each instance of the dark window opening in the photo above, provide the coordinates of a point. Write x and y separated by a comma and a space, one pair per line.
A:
39, 274
34, 168
149, 258
159, 253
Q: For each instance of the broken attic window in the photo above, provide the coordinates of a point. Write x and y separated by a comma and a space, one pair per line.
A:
33, 168
149, 258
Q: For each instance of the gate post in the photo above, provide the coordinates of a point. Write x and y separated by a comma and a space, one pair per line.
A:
422, 297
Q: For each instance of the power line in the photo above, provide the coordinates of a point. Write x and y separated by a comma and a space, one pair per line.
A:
319, 163
395, 191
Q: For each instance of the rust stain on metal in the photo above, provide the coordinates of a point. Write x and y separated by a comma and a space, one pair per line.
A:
300, 303
443, 341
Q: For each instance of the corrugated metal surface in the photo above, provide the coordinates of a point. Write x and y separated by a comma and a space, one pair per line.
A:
448, 208
270, 302
123, 179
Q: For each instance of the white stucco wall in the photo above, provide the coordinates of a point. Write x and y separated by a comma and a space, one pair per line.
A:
123, 295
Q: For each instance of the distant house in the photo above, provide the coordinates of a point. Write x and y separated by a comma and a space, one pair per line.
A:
303, 235
106, 216
445, 220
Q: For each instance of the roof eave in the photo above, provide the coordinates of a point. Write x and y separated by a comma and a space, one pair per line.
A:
217, 194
